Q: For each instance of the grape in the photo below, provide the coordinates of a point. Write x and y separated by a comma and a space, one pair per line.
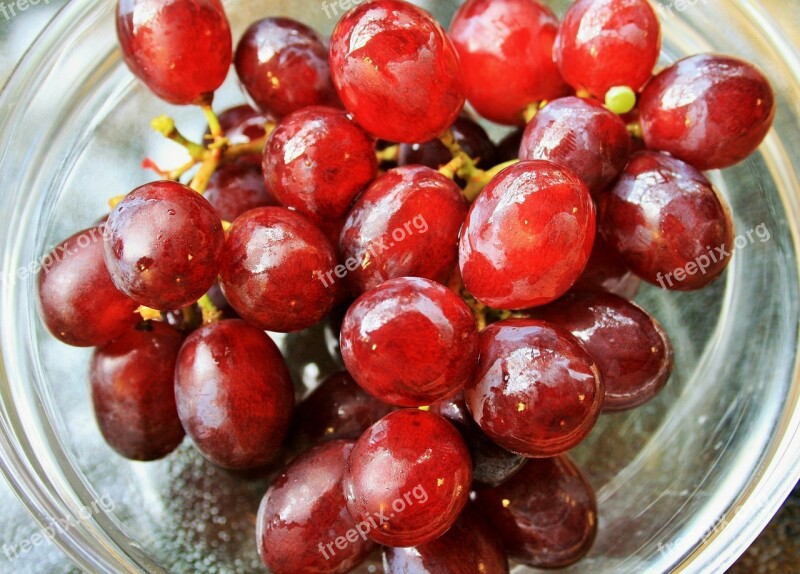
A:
410, 342
337, 409
630, 348
508, 148
410, 474
527, 237
470, 546
283, 66
536, 391
708, 110
273, 270
396, 71
546, 515
317, 161
237, 187
492, 465
506, 49
234, 394
133, 392
163, 243
606, 273
78, 302
604, 44
667, 223
389, 231
181, 49
581, 135
470, 136
303, 513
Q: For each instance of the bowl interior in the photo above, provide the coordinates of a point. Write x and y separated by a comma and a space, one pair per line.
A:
686, 480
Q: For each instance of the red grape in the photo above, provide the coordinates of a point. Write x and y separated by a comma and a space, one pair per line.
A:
396, 71
78, 302
546, 515
237, 187
536, 391
630, 348
606, 273
303, 515
272, 270
181, 49
491, 464
506, 49
710, 111
387, 233
469, 547
318, 160
133, 392
409, 474
283, 65
527, 237
162, 245
667, 223
608, 43
242, 125
410, 342
234, 394
337, 409
581, 135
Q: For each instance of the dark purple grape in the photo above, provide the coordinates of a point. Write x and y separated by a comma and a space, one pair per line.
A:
237, 187
472, 138
133, 392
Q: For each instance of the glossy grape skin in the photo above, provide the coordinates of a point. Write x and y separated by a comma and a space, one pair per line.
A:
492, 465
527, 237
396, 71
234, 394
403, 204
159, 42
337, 409
631, 349
607, 43
469, 547
283, 66
581, 135
424, 471
162, 244
133, 392
410, 342
472, 138
237, 187
271, 269
606, 273
662, 217
506, 53
536, 392
546, 515
708, 110
318, 160
304, 510
78, 302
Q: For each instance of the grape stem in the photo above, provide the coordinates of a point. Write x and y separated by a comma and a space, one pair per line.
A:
210, 157
209, 310
481, 179
391, 153
461, 165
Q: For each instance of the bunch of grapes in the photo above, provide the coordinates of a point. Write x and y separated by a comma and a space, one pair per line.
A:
484, 288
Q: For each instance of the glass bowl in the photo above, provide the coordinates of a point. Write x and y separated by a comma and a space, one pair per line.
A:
684, 483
